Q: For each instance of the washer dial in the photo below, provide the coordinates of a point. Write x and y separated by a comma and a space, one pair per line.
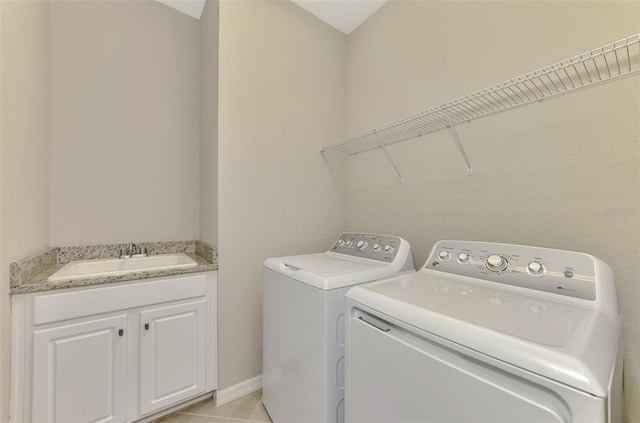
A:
388, 249
464, 258
349, 244
341, 242
362, 245
377, 248
496, 263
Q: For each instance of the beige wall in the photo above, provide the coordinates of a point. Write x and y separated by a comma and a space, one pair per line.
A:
24, 151
549, 174
128, 164
209, 123
282, 86
125, 103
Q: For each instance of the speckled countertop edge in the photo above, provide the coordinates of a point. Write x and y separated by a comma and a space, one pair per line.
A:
31, 274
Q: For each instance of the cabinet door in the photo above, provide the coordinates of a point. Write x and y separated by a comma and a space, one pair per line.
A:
172, 354
79, 372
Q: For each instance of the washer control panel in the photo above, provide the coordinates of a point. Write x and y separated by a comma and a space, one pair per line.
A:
560, 272
371, 246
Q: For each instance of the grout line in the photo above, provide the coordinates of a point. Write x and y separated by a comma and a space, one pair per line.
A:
253, 413
235, 419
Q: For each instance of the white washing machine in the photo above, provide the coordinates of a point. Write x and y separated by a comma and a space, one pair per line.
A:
303, 330
486, 332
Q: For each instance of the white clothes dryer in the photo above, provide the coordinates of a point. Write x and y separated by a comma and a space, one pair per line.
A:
303, 323
486, 332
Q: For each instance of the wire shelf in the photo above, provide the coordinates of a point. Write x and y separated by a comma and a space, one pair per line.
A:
612, 61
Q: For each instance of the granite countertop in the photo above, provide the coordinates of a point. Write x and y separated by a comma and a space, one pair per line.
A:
31, 274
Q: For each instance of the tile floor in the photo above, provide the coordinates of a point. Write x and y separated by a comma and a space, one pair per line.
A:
248, 409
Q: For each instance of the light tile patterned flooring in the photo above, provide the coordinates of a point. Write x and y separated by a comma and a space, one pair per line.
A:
246, 409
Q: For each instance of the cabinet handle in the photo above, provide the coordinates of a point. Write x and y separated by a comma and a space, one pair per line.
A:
121, 332
146, 326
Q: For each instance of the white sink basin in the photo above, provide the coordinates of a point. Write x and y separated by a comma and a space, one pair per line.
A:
114, 266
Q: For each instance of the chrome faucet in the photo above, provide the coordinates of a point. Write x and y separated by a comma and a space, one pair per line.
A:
131, 252
142, 252
125, 253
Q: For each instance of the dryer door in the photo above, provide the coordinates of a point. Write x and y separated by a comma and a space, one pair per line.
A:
395, 376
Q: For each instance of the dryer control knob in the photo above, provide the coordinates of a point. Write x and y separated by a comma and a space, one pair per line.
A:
496, 263
377, 248
535, 268
444, 255
388, 249
362, 245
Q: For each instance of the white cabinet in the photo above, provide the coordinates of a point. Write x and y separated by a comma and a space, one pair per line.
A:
113, 353
79, 372
172, 354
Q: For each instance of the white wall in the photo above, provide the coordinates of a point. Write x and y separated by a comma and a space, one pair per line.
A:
208, 153
125, 103
549, 174
282, 95
24, 152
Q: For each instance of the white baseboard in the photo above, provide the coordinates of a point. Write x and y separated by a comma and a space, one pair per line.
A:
226, 395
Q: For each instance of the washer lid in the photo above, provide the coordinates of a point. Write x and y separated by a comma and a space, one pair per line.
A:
564, 342
329, 270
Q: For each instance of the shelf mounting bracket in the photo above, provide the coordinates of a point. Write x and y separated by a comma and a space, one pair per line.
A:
386, 152
456, 138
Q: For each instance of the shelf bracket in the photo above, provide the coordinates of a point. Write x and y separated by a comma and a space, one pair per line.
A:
386, 152
456, 138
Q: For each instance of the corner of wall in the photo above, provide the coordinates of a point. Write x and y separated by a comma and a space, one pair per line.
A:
208, 166
25, 123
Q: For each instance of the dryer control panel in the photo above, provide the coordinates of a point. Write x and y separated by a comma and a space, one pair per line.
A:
561, 272
371, 246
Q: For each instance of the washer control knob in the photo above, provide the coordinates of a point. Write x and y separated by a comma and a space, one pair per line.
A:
496, 263
377, 248
444, 255
349, 244
464, 258
341, 242
388, 249
535, 268
362, 245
